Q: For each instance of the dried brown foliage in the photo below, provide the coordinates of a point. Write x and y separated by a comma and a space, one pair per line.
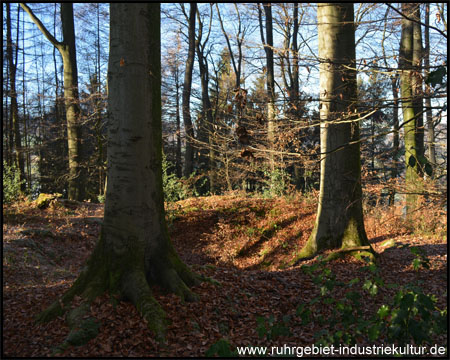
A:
242, 242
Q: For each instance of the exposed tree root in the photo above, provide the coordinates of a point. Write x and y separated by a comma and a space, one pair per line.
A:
127, 280
136, 289
359, 252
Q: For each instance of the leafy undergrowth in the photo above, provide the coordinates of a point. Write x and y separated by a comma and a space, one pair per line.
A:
244, 243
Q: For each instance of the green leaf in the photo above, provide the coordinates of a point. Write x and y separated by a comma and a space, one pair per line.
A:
418, 331
279, 329
340, 306
383, 311
306, 317
328, 301
367, 285
407, 301
353, 296
415, 250
222, 348
374, 332
416, 264
261, 330
426, 301
412, 161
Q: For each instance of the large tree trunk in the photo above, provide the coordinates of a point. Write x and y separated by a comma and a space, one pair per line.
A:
339, 221
14, 110
409, 115
189, 152
134, 250
67, 50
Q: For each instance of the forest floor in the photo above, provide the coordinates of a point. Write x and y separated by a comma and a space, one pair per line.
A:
245, 243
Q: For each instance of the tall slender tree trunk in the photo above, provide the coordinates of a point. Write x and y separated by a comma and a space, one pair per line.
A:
67, 50
178, 163
71, 100
206, 128
409, 115
134, 250
270, 82
396, 136
428, 111
14, 109
189, 152
395, 131
417, 86
339, 221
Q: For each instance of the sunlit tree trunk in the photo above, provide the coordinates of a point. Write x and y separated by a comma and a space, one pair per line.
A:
134, 250
417, 85
267, 42
409, 116
178, 163
67, 50
339, 221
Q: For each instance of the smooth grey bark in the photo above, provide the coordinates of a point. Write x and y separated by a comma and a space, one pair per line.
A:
339, 221
67, 50
134, 250
189, 152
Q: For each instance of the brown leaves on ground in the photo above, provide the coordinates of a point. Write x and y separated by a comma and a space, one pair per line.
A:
244, 243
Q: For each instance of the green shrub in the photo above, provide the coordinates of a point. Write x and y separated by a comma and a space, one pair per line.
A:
11, 183
410, 316
174, 189
221, 348
271, 329
277, 182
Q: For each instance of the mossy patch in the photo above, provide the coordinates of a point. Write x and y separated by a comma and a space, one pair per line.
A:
44, 200
88, 329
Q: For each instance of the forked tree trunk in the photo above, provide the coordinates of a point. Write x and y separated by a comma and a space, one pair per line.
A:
339, 221
134, 250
